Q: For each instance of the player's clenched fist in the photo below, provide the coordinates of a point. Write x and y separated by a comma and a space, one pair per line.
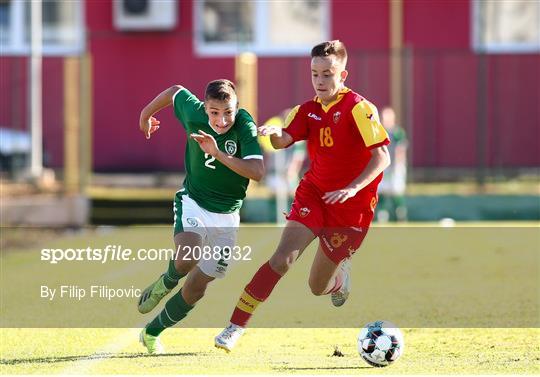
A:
148, 126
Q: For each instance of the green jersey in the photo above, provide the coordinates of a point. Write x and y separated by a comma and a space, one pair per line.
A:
211, 184
397, 137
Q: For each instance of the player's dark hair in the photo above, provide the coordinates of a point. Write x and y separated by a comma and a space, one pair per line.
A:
335, 47
221, 90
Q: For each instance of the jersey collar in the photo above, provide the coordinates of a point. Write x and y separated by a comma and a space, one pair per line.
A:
341, 93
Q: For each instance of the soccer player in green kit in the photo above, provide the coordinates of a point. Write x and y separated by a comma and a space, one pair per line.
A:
222, 155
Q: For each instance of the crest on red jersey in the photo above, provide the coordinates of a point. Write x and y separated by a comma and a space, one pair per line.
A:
304, 211
337, 115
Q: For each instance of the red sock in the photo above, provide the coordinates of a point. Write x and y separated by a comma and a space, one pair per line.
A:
258, 290
338, 283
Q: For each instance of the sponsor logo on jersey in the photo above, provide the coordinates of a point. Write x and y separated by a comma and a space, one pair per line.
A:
304, 211
311, 115
337, 115
193, 222
230, 147
337, 239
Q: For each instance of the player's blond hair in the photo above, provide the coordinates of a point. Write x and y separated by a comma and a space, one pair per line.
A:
335, 47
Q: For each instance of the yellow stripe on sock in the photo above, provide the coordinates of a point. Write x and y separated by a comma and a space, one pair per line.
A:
247, 303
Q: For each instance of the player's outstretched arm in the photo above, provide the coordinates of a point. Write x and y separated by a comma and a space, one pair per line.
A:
147, 123
252, 169
380, 160
280, 139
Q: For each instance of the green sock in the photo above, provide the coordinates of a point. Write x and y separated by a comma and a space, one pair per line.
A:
171, 277
175, 310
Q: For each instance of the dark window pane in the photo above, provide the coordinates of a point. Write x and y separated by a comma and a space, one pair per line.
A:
228, 21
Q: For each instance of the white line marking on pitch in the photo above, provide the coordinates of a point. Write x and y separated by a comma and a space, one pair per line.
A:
86, 364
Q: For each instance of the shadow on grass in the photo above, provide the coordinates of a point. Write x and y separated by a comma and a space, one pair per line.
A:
63, 359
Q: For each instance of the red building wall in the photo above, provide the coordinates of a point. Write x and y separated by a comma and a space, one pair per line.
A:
14, 102
286, 82
448, 96
129, 69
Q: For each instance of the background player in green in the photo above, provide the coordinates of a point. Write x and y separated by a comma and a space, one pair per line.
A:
222, 155
392, 204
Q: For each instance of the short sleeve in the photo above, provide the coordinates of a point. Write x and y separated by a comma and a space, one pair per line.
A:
367, 121
186, 106
296, 124
249, 146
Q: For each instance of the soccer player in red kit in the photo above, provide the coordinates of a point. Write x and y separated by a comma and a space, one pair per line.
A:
336, 198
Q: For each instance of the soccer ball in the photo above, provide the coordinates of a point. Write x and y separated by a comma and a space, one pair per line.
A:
380, 343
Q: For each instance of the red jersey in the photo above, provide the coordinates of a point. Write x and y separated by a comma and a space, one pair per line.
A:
339, 138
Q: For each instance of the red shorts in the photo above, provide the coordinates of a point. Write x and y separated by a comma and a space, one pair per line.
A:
341, 227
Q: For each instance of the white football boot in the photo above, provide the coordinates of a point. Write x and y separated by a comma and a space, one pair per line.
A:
228, 337
339, 297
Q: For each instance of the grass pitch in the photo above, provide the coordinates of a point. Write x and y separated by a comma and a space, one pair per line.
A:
266, 351
472, 272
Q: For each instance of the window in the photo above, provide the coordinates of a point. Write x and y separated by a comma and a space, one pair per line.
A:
506, 26
4, 20
228, 27
228, 22
63, 27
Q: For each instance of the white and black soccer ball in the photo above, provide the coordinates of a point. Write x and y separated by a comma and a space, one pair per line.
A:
380, 343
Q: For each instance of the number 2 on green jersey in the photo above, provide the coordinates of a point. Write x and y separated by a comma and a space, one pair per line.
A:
209, 160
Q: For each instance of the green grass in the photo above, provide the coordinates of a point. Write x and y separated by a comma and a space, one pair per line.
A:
265, 351
466, 299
